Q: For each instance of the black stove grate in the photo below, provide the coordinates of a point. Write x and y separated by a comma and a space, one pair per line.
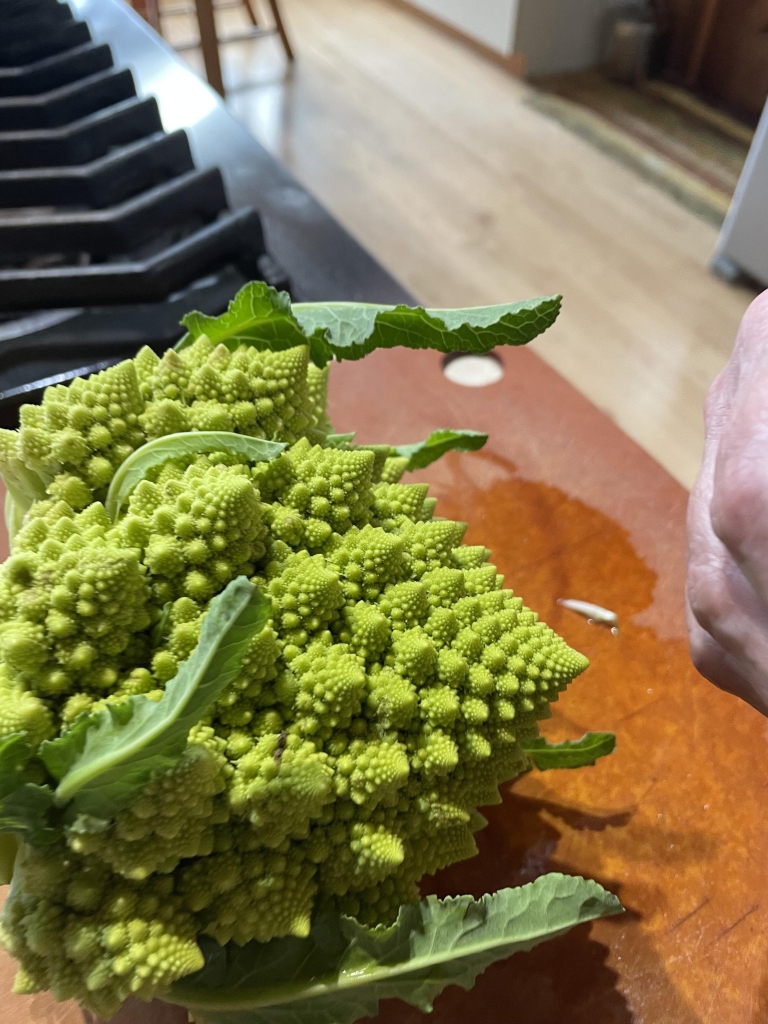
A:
107, 180
235, 236
66, 103
108, 233
45, 19
196, 197
81, 141
26, 40
52, 72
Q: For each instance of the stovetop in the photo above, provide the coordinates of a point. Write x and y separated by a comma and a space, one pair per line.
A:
129, 195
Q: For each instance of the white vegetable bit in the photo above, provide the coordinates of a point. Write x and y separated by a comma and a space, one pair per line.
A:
593, 613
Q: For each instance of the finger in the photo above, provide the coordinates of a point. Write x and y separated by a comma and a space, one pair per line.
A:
716, 665
721, 601
717, 413
739, 504
721, 604
714, 587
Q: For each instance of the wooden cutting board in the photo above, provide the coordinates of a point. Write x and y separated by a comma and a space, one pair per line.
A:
674, 822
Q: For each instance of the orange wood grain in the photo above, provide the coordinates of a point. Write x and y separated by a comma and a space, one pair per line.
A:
674, 821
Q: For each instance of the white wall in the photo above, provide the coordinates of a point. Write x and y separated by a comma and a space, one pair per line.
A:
489, 21
554, 35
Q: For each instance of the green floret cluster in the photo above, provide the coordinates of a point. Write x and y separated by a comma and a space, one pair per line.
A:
383, 703
73, 442
250, 684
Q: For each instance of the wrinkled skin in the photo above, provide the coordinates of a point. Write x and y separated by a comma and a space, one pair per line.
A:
727, 590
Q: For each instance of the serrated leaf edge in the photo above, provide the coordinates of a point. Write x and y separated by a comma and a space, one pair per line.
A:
349, 981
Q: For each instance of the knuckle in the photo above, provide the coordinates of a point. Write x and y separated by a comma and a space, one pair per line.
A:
724, 623
739, 505
707, 656
729, 513
708, 603
704, 660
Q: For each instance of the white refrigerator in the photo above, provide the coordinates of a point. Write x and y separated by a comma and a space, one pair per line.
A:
743, 244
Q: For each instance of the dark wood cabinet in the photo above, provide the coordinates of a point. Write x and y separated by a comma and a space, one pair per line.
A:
735, 64
720, 48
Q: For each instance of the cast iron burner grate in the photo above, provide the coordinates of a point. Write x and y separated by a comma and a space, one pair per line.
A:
108, 232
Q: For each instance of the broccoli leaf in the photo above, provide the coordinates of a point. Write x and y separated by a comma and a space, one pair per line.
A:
354, 328
23, 804
424, 453
107, 756
571, 753
264, 318
343, 969
25, 812
15, 755
259, 316
23, 488
25, 484
177, 446
61, 754
161, 627
14, 514
339, 440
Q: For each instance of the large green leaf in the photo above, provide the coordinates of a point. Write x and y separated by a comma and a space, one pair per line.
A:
264, 318
107, 756
571, 753
341, 971
354, 329
259, 316
424, 453
178, 446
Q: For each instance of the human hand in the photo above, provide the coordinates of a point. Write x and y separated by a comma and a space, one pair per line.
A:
727, 589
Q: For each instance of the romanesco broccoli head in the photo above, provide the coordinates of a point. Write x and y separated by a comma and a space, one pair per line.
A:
383, 703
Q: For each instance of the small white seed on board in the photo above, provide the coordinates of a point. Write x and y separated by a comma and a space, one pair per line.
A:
593, 613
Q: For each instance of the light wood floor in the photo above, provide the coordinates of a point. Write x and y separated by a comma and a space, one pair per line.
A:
431, 157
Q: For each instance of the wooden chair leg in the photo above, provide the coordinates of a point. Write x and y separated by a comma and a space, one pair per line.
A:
281, 29
209, 44
153, 15
149, 10
251, 12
